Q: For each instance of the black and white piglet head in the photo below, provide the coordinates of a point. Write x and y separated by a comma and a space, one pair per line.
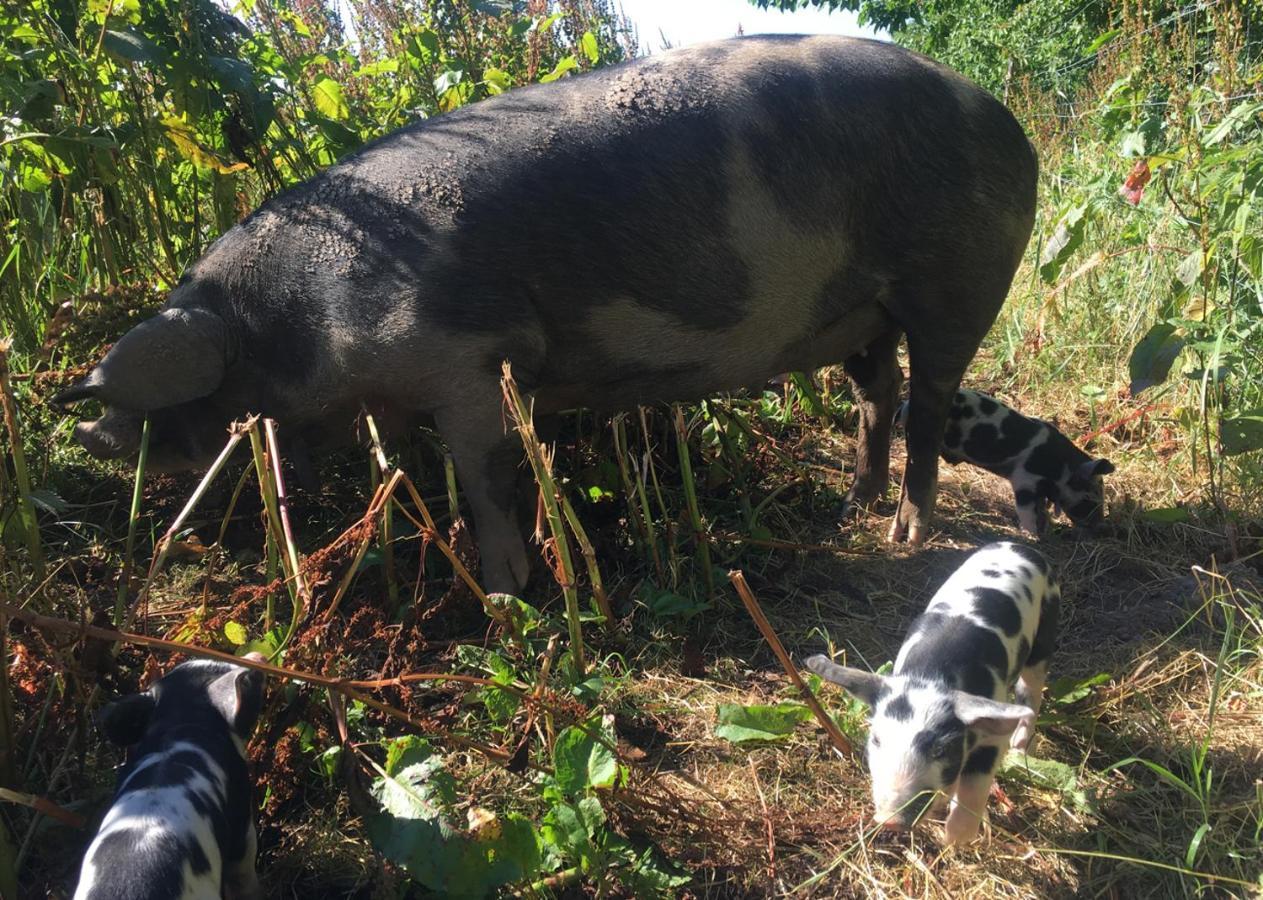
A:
203, 693
920, 734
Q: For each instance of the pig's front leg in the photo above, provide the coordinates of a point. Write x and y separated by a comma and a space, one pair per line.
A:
969, 805
241, 881
1032, 506
1030, 692
486, 462
1030, 683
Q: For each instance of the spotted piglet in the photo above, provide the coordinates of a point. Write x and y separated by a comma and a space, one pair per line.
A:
181, 823
1042, 464
942, 721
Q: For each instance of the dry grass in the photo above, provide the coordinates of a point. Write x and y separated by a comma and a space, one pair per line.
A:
786, 819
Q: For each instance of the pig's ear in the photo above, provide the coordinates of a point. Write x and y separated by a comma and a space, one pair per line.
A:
1094, 467
177, 356
864, 685
238, 695
125, 721
989, 716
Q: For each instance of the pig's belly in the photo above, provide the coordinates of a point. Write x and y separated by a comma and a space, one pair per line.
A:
648, 361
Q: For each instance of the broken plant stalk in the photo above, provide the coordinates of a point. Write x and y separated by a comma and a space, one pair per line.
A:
637, 503
26, 509
831, 728
701, 544
133, 519
386, 533
541, 465
300, 592
235, 433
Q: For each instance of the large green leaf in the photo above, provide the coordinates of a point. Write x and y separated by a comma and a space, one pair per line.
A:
126, 45
1153, 357
233, 73
759, 723
1242, 433
327, 95
1048, 773
1065, 239
582, 759
560, 69
414, 829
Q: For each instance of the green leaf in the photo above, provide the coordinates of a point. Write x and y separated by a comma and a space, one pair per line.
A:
236, 633
546, 23
1240, 114
664, 604
448, 80
1102, 39
1153, 357
119, 11
1241, 433
1048, 773
125, 45
1187, 274
759, 723
1167, 515
1067, 690
233, 73
590, 48
560, 69
1195, 844
1066, 238
581, 761
496, 80
651, 877
327, 95
181, 134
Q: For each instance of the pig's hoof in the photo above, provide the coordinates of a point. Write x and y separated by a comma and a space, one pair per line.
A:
962, 827
1022, 735
898, 531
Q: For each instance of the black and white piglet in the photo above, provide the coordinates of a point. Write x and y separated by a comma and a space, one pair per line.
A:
1042, 464
942, 721
181, 824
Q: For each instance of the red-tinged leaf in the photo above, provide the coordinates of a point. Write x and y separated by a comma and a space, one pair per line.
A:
1134, 185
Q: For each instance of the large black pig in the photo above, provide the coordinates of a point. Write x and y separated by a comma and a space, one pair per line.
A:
663, 229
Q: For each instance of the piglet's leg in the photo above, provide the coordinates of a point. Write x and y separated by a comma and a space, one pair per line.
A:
241, 882
1030, 683
1032, 508
969, 805
1030, 692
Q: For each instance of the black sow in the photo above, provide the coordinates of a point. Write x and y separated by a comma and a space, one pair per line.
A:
659, 230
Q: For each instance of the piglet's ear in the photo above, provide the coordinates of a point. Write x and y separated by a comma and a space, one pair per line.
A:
1095, 467
865, 686
988, 716
238, 695
125, 721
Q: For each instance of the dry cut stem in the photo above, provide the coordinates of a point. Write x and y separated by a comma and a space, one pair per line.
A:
839, 740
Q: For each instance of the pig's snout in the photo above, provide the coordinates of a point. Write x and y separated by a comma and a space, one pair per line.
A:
104, 442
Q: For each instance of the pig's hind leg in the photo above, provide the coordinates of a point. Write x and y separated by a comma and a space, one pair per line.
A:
1030, 683
875, 379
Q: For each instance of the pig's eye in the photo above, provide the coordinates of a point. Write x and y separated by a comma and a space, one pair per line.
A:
874, 741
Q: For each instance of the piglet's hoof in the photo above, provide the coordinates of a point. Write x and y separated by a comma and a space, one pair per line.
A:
1022, 735
962, 826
